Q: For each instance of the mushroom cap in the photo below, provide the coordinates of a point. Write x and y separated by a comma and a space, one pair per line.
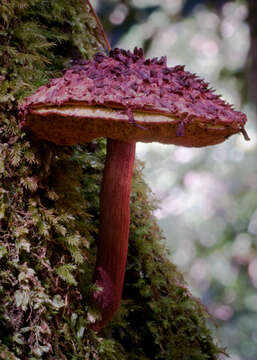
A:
127, 97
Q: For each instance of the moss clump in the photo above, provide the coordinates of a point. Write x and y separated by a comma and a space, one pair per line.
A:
49, 219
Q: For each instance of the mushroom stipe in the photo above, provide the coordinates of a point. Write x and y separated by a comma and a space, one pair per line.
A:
125, 98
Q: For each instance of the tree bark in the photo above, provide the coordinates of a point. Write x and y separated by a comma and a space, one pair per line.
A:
252, 72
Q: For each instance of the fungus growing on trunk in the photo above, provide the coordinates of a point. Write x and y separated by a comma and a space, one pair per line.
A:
125, 98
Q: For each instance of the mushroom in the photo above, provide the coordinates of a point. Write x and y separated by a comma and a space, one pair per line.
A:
125, 98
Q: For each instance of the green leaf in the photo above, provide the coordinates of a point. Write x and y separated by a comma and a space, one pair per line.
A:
65, 273
22, 298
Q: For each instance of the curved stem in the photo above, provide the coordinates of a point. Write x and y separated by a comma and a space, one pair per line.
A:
114, 228
99, 26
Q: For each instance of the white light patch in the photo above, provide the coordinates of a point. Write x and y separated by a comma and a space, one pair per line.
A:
95, 112
104, 113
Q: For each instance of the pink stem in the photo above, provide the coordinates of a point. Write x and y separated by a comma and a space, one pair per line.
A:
114, 228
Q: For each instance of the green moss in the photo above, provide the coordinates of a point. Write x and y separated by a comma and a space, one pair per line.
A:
49, 214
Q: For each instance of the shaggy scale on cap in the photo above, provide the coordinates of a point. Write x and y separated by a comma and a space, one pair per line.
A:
127, 97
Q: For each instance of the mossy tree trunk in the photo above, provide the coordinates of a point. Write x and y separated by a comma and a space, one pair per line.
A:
49, 216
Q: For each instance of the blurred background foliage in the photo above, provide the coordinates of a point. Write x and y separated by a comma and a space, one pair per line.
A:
208, 197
